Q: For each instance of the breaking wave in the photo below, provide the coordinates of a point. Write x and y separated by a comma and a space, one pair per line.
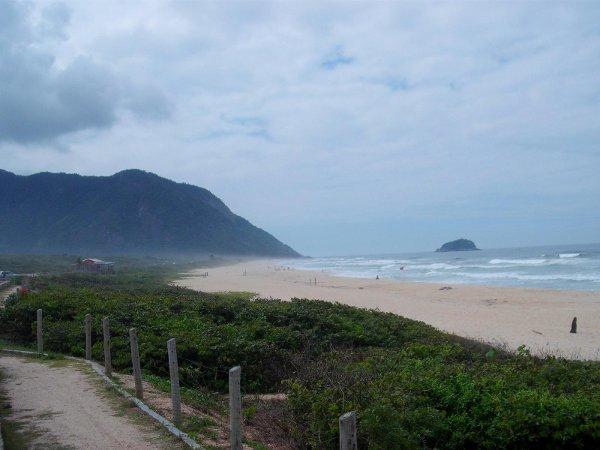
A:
569, 255
525, 277
520, 262
432, 266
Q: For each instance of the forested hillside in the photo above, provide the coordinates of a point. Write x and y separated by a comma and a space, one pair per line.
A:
129, 212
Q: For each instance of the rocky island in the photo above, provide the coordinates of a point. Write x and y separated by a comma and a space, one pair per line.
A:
459, 245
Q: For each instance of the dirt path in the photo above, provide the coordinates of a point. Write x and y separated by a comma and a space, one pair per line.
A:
62, 404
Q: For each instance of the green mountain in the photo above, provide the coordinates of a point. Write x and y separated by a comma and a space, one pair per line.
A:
459, 245
129, 212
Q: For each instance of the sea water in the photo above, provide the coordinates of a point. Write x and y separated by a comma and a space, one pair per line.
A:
571, 267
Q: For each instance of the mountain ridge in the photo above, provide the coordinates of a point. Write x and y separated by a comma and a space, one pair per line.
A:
131, 211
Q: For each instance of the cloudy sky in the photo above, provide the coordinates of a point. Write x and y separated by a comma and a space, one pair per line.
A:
342, 128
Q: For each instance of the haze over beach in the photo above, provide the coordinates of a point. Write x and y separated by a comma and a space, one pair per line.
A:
299, 225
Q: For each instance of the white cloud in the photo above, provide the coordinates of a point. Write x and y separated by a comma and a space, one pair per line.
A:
42, 100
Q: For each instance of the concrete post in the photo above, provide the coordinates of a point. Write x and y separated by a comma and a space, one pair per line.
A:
135, 362
88, 337
107, 360
40, 334
348, 431
235, 409
174, 373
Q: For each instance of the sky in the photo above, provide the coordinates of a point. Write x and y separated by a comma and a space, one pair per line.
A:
341, 128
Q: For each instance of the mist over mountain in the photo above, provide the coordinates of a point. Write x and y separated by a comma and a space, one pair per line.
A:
129, 212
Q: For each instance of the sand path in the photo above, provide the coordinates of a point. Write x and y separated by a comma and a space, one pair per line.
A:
538, 318
64, 406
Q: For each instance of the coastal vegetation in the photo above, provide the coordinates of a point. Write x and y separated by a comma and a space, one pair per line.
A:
63, 263
411, 385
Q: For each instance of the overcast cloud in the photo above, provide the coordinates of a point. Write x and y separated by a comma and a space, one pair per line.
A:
41, 98
340, 127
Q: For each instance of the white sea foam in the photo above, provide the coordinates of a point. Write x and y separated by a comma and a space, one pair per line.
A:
525, 277
569, 255
395, 265
520, 262
373, 262
432, 266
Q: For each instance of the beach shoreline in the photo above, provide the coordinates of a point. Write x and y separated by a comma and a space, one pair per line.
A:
510, 317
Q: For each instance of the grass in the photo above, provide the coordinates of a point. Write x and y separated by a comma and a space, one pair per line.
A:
63, 263
197, 427
9, 344
197, 398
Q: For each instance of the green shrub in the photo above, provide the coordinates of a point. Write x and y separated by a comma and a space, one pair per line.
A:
425, 396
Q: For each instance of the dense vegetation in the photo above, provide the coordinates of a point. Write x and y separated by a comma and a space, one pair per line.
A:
131, 212
141, 266
412, 386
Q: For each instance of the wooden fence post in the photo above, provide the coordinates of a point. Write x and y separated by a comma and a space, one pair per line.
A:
40, 334
107, 360
174, 373
574, 325
348, 431
135, 362
235, 409
88, 337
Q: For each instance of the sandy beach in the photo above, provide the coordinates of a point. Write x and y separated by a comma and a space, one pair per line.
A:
538, 318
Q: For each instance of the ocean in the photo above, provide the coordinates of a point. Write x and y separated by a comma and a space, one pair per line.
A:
565, 267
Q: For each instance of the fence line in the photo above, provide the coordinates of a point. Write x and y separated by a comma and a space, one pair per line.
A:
347, 422
40, 332
135, 363
174, 375
235, 409
88, 337
106, 341
348, 431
